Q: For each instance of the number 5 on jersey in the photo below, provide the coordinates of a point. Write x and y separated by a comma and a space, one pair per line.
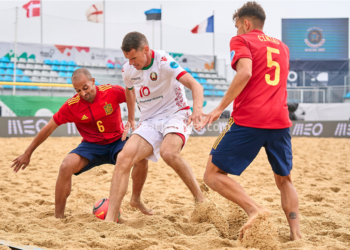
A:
271, 63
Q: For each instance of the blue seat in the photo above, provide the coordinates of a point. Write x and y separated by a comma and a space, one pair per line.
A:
3, 65
33, 87
63, 68
187, 69
347, 96
48, 62
10, 66
202, 80
55, 62
2, 71
70, 68
26, 79
194, 75
18, 79
109, 65
119, 66
54, 68
4, 59
71, 63
9, 71
69, 80
69, 74
77, 67
1, 79
208, 93
219, 93
19, 72
8, 79
64, 63
62, 74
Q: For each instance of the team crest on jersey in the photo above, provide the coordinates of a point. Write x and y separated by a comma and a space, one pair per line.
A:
108, 108
123, 70
163, 59
153, 76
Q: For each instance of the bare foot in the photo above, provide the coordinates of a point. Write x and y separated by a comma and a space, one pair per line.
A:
250, 221
141, 206
295, 236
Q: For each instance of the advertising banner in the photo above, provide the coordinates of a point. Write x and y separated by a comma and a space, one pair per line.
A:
316, 39
59, 52
90, 54
30, 126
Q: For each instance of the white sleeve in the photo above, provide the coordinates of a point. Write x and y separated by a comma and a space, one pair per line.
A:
126, 77
172, 68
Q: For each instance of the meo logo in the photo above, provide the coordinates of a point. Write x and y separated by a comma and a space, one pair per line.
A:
144, 91
308, 129
342, 129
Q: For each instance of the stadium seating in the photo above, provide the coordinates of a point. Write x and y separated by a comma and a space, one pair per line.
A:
10, 66
19, 72
8, 79
70, 68
55, 68
2, 72
71, 63
9, 71
3, 65
64, 63
69, 80
109, 65
4, 59
55, 62
48, 62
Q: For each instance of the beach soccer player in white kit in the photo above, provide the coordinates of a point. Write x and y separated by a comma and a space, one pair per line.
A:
156, 82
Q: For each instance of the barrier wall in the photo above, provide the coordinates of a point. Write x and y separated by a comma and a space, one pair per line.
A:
30, 126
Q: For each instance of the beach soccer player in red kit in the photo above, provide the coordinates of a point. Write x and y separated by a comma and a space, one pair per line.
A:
96, 114
259, 118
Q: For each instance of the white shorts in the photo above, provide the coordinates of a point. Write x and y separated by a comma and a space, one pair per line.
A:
154, 131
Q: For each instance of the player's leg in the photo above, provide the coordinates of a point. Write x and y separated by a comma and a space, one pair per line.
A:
135, 150
233, 151
279, 152
139, 175
72, 163
290, 204
170, 152
219, 181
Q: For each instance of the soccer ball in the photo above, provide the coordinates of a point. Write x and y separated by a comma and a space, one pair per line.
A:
100, 209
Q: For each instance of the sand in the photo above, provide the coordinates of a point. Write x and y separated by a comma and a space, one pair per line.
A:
321, 177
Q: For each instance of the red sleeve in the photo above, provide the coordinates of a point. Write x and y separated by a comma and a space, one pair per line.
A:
62, 116
120, 93
238, 50
181, 74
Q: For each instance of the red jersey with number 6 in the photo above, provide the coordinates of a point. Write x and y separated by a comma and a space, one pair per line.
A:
263, 101
99, 122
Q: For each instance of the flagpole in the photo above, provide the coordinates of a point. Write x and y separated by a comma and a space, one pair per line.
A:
214, 39
41, 21
15, 54
152, 34
161, 27
104, 24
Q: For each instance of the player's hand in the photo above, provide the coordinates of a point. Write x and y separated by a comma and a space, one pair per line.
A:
196, 117
129, 124
212, 116
21, 162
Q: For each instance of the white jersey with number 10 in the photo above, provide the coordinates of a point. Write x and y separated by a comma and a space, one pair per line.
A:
159, 94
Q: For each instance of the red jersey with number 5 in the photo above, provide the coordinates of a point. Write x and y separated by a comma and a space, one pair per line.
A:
263, 101
99, 122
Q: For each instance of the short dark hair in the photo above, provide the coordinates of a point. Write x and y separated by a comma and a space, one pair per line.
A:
134, 40
253, 10
82, 71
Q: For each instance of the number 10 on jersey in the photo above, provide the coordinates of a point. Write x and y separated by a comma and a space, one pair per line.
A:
144, 91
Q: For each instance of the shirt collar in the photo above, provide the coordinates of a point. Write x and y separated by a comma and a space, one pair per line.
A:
145, 68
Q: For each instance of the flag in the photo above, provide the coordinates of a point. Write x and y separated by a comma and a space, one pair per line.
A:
206, 26
153, 14
32, 8
95, 13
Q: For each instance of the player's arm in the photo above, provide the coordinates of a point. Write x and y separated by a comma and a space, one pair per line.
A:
244, 72
130, 103
197, 94
24, 160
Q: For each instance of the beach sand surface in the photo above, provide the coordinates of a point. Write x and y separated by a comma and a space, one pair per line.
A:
321, 175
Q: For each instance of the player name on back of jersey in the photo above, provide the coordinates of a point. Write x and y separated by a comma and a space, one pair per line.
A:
265, 38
